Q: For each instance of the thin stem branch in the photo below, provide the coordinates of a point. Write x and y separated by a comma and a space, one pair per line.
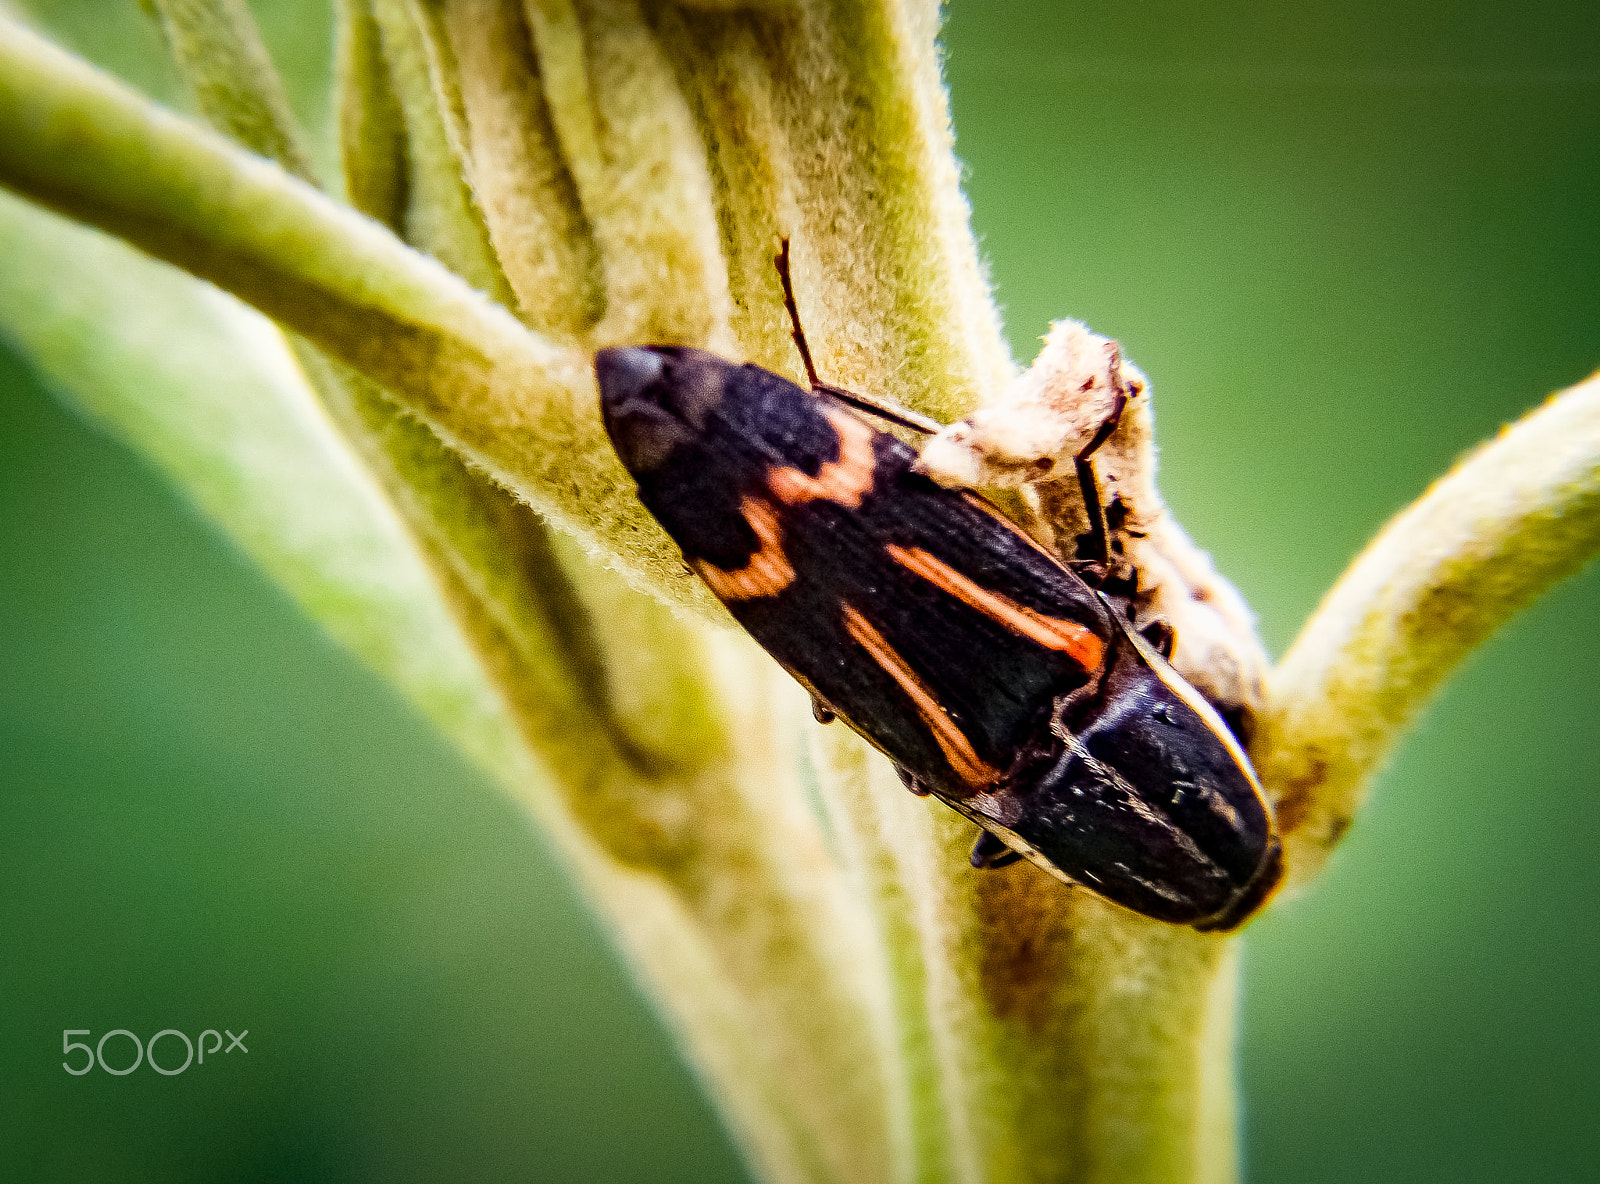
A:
515, 404
219, 52
1517, 515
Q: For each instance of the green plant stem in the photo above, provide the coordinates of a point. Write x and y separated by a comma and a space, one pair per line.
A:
1510, 520
225, 64
516, 405
1050, 1036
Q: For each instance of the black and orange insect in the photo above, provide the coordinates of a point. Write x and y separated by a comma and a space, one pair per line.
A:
991, 673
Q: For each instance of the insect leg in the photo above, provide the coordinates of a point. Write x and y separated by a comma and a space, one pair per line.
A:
912, 782
1159, 634
990, 852
1097, 548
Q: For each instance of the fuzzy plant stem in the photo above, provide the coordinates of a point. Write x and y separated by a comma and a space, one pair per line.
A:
1512, 518
673, 808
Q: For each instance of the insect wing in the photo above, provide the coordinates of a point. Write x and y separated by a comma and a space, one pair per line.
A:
1147, 800
923, 618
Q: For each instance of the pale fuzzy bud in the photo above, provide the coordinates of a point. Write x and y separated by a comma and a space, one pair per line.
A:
1049, 412
1028, 439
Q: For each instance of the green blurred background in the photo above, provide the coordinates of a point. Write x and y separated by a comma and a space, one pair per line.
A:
1346, 243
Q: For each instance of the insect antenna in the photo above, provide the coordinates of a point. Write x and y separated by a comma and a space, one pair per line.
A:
882, 409
781, 262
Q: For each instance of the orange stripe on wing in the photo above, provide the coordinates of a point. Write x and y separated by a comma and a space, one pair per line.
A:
971, 768
767, 572
1077, 641
846, 480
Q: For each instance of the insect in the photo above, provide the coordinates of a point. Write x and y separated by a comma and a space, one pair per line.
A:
993, 675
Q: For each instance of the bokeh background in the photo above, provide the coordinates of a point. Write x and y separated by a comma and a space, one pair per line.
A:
1346, 241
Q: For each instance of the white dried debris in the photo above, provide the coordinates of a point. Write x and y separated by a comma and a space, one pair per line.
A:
1027, 440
